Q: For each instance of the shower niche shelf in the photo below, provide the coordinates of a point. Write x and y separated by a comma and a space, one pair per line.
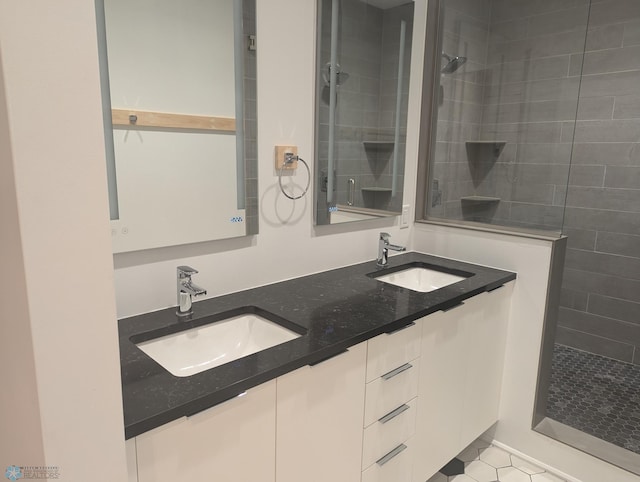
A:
376, 197
377, 189
378, 145
484, 151
480, 199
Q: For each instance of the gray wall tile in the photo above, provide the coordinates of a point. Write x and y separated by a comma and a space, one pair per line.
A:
608, 131
594, 344
627, 107
601, 220
595, 108
603, 284
631, 33
580, 238
600, 326
606, 154
603, 198
586, 176
605, 37
617, 243
614, 11
614, 308
624, 177
603, 263
619, 83
575, 300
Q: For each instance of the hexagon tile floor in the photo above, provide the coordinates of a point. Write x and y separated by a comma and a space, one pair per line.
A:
596, 395
484, 462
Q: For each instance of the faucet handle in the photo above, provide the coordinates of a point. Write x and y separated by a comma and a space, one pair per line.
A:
385, 237
185, 271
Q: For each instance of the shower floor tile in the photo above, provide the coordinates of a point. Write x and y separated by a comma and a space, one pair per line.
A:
596, 395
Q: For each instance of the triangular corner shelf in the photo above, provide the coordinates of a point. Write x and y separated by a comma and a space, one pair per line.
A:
484, 151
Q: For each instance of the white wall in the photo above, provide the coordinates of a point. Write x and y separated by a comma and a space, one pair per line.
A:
288, 244
60, 374
20, 409
530, 259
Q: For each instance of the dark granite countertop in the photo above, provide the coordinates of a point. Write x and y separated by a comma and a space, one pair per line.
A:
334, 309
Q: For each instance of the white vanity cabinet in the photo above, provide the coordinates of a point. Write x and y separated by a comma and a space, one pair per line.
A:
460, 377
231, 442
319, 420
390, 405
396, 408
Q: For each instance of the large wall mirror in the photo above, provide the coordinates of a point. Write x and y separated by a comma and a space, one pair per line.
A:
362, 93
179, 94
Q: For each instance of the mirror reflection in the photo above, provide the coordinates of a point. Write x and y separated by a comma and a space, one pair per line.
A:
182, 89
363, 64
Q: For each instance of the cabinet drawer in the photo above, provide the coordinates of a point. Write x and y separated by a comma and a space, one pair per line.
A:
396, 466
387, 351
391, 390
388, 432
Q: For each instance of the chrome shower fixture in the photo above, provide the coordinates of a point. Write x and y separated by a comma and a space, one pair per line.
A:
340, 75
453, 63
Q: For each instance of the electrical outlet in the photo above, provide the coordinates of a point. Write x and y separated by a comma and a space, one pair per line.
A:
281, 152
404, 217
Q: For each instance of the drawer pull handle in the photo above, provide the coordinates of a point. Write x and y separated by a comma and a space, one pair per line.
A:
397, 371
452, 307
398, 450
322, 360
202, 410
394, 413
404, 327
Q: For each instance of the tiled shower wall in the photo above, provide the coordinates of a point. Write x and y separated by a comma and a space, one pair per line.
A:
530, 102
601, 287
523, 85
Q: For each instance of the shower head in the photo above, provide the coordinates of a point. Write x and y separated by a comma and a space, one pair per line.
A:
341, 77
453, 63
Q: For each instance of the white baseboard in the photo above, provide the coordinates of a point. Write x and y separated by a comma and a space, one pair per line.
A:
548, 468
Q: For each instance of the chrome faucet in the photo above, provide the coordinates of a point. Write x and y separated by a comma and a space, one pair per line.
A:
186, 290
383, 248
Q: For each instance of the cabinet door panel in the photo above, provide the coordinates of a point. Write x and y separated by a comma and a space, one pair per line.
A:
319, 420
485, 339
233, 441
442, 372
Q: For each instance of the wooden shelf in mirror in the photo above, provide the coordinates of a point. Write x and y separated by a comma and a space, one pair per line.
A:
164, 120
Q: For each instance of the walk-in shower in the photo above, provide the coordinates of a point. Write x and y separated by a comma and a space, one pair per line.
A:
538, 133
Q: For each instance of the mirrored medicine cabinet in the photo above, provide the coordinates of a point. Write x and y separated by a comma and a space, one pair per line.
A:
363, 62
179, 98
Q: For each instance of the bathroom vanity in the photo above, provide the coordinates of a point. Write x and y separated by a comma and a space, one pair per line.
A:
385, 383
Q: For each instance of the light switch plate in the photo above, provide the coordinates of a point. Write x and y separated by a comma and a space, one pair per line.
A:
404, 217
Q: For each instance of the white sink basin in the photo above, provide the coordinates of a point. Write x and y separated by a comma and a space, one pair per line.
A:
193, 351
420, 279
